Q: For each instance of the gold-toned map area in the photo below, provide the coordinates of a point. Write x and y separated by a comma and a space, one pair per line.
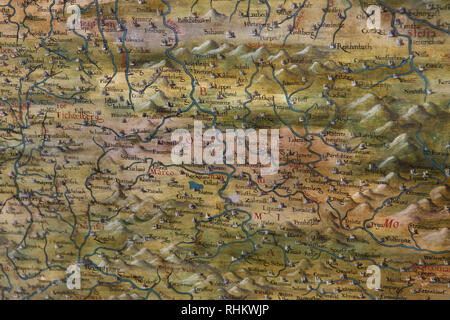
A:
92, 205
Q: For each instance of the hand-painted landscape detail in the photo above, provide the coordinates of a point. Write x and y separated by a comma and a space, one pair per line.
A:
93, 207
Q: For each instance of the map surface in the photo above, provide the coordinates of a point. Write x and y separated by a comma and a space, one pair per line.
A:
93, 207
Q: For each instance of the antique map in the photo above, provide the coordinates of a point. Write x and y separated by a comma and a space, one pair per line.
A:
224, 149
